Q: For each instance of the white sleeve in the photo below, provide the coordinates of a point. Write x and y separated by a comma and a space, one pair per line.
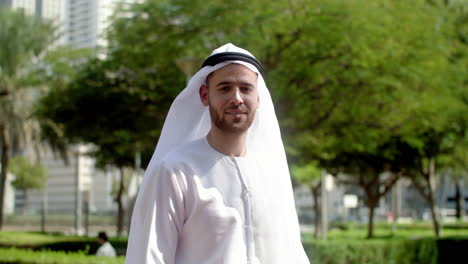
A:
157, 219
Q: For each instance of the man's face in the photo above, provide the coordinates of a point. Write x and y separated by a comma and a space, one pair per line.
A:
232, 98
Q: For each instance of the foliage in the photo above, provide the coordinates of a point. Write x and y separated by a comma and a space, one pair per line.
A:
27, 175
57, 68
382, 93
368, 84
307, 175
115, 109
23, 38
118, 110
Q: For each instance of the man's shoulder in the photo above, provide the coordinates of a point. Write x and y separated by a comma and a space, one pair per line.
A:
185, 153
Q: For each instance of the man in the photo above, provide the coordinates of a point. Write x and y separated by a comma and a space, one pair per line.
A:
106, 248
217, 189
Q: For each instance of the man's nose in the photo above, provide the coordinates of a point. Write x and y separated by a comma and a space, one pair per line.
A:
237, 97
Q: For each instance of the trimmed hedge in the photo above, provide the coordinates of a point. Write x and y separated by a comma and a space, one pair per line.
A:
26, 256
57, 242
390, 251
87, 245
423, 251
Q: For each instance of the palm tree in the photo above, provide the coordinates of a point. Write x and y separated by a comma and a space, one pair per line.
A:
24, 38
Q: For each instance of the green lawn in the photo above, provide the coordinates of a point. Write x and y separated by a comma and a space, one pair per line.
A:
33, 238
346, 231
353, 231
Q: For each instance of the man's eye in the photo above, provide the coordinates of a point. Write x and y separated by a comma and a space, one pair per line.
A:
246, 89
224, 88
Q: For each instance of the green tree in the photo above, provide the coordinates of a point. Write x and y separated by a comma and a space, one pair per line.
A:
118, 110
458, 161
57, 68
309, 175
24, 38
372, 73
27, 176
441, 132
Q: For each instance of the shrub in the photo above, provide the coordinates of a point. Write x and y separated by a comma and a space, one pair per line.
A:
423, 251
87, 245
57, 242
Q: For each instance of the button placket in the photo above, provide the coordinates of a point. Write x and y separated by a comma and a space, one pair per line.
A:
248, 213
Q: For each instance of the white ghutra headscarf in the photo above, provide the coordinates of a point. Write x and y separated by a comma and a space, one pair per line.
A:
189, 120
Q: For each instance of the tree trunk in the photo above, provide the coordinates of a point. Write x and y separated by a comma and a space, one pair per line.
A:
458, 201
373, 195
429, 198
44, 210
370, 226
435, 217
315, 195
432, 203
87, 214
25, 201
396, 204
121, 211
3, 172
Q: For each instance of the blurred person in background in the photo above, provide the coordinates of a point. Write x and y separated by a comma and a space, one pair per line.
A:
106, 248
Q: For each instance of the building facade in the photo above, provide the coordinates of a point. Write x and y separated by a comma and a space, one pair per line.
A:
87, 21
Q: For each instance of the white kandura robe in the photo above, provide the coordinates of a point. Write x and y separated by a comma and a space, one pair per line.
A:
204, 207
106, 250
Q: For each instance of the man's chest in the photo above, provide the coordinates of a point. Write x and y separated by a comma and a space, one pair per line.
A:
224, 195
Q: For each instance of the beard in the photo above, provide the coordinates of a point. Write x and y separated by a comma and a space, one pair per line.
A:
235, 125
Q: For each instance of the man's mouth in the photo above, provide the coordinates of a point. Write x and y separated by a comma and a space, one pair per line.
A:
235, 111
237, 114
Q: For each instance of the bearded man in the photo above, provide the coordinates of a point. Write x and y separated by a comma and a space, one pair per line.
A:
217, 189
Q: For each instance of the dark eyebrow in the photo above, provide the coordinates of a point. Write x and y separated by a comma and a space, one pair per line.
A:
227, 82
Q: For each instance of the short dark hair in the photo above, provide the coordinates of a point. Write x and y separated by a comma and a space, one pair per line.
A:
103, 236
208, 78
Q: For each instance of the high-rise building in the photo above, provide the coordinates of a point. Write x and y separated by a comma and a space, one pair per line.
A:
27, 5
51, 9
48, 9
81, 23
87, 21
